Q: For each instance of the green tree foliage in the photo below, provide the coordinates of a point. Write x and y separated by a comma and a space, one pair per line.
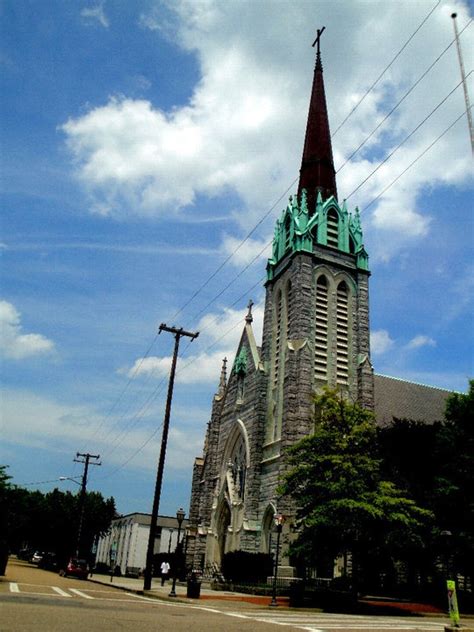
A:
49, 522
436, 464
454, 500
344, 506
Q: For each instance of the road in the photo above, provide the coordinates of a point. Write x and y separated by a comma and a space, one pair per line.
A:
35, 600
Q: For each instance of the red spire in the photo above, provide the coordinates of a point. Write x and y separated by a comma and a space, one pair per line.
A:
317, 167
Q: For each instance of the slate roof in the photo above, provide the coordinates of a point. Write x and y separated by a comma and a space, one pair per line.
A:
407, 400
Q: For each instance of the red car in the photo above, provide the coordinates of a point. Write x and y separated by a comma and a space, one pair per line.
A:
75, 568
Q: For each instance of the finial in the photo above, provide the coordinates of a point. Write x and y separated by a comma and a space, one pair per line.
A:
316, 41
223, 380
249, 317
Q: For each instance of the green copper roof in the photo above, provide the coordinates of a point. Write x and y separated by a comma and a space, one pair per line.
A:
240, 363
297, 231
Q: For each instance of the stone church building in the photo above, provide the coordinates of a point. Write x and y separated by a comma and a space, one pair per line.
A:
315, 333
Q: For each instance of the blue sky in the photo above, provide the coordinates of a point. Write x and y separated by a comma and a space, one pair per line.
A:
141, 143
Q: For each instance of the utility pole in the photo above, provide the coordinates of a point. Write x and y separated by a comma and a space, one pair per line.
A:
464, 83
178, 333
82, 498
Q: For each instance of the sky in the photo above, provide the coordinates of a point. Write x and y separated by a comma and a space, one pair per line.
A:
147, 150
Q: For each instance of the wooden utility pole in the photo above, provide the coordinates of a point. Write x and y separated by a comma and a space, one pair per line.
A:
82, 498
178, 333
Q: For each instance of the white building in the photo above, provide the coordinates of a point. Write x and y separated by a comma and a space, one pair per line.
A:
126, 542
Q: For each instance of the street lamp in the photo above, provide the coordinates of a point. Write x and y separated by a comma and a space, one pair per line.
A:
67, 478
169, 540
279, 520
179, 517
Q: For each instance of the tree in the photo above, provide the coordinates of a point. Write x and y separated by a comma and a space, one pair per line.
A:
453, 497
343, 505
49, 522
435, 462
4, 489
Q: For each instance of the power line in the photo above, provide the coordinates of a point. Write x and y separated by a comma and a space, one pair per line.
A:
405, 139
400, 101
414, 161
387, 67
220, 267
430, 146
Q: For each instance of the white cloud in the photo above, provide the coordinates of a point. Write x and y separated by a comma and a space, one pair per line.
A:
97, 14
243, 127
14, 344
44, 423
421, 341
380, 342
219, 335
252, 250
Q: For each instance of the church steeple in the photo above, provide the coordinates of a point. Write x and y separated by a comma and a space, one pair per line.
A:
317, 166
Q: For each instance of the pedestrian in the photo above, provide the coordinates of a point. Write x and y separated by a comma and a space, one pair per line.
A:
165, 569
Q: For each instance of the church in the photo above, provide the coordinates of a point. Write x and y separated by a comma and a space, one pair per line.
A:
315, 333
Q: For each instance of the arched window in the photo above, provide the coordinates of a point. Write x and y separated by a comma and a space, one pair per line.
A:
238, 465
321, 335
278, 336
333, 228
342, 333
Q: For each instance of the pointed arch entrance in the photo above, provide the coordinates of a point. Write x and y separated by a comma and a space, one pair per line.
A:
223, 524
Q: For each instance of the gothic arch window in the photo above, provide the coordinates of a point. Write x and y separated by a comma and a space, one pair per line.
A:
278, 336
238, 467
321, 334
342, 333
332, 228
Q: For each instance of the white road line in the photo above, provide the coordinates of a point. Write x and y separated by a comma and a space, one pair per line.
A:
14, 587
61, 592
80, 593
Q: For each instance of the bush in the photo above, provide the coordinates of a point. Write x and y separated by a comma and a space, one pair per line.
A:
240, 566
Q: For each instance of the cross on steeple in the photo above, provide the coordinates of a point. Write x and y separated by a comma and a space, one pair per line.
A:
316, 41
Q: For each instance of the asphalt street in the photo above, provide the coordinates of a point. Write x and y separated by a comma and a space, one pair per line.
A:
35, 600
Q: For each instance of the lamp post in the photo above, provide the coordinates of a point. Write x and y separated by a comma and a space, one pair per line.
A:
279, 520
169, 540
179, 517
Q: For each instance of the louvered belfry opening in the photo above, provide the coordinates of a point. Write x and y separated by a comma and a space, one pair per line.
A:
321, 333
333, 229
342, 335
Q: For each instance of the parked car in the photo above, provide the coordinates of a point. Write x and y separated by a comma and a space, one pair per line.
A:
25, 554
49, 562
36, 557
75, 568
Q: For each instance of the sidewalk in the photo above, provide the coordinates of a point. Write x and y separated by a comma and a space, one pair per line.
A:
162, 592
370, 605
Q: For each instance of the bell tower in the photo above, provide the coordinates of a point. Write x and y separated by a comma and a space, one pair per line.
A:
316, 326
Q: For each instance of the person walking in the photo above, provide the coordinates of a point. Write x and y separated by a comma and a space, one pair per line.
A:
165, 569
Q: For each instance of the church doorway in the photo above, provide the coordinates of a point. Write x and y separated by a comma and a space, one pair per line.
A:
267, 530
223, 530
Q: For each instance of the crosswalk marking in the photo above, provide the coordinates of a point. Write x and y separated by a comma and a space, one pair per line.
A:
80, 593
60, 591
